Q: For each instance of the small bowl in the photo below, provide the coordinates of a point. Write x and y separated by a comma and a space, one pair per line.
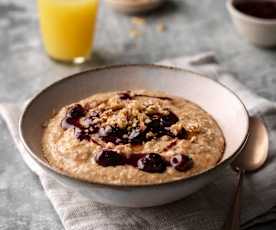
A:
134, 7
258, 31
216, 99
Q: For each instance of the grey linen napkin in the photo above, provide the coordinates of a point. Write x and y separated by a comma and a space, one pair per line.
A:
205, 209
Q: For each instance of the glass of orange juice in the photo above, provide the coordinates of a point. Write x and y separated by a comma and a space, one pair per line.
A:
67, 28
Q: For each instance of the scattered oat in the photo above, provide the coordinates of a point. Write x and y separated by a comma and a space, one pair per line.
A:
138, 21
133, 33
161, 27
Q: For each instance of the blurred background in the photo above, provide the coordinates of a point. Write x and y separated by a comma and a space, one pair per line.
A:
180, 27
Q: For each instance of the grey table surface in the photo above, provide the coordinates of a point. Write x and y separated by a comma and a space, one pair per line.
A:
191, 27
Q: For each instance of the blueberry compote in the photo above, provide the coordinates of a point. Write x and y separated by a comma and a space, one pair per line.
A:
127, 96
72, 120
157, 126
73, 116
151, 163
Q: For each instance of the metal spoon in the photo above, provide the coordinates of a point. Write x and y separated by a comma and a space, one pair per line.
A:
250, 159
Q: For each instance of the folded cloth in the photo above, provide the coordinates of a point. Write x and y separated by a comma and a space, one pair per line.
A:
205, 209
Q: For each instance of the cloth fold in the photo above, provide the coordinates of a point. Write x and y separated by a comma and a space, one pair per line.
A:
205, 209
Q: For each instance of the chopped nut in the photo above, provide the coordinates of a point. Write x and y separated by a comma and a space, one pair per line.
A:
102, 106
147, 121
96, 120
108, 112
117, 107
149, 135
175, 129
122, 122
151, 109
193, 139
165, 138
166, 112
134, 123
193, 127
110, 145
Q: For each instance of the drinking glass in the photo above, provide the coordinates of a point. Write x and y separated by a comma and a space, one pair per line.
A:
67, 28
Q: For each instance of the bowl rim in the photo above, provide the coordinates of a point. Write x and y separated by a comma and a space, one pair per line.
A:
235, 12
107, 67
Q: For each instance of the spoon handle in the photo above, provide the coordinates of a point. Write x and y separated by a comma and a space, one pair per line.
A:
233, 218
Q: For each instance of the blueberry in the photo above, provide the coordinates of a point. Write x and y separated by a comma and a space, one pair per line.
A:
160, 125
76, 111
72, 117
69, 122
93, 129
152, 163
136, 136
110, 158
106, 134
82, 134
155, 125
113, 134
169, 119
182, 134
181, 162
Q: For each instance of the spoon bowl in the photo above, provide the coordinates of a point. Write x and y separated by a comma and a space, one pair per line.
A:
255, 151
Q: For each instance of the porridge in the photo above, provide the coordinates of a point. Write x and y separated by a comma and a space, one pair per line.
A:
132, 138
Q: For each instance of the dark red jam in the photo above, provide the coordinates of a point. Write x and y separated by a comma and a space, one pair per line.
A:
158, 126
73, 116
265, 9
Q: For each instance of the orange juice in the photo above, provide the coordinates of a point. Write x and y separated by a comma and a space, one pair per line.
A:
67, 27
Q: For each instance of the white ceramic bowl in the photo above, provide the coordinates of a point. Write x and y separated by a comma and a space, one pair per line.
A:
258, 31
219, 101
